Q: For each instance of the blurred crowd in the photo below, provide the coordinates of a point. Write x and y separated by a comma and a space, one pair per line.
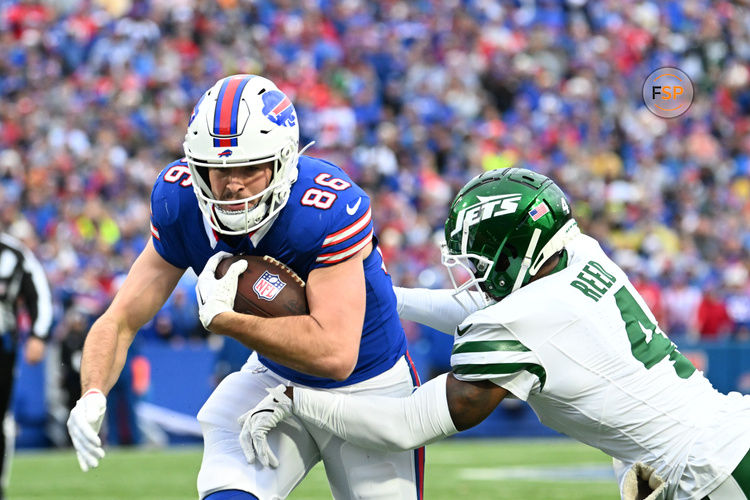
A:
411, 98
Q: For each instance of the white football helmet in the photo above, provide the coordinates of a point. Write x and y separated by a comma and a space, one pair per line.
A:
243, 120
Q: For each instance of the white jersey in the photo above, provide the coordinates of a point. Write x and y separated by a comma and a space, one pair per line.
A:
583, 349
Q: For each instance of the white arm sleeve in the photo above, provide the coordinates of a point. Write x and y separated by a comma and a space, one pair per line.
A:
437, 309
380, 422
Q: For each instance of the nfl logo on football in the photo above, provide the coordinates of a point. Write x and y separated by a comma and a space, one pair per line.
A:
268, 286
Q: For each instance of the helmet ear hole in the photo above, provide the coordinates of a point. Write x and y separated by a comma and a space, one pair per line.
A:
507, 254
286, 152
511, 251
503, 263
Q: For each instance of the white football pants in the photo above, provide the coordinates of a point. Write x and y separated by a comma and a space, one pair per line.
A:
353, 472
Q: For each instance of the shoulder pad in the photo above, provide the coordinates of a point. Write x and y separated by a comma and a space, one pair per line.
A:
172, 186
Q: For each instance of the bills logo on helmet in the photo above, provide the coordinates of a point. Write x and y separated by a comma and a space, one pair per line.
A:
226, 152
279, 109
487, 208
195, 110
268, 286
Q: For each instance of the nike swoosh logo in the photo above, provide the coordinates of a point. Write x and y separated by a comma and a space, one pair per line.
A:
353, 210
461, 331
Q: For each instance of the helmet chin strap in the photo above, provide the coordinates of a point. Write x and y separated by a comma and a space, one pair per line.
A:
566, 233
526, 263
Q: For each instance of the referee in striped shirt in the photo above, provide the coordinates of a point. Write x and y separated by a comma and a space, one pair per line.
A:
22, 283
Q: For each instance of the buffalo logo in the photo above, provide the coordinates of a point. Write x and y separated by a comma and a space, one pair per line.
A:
195, 110
268, 286
226, 152
279, 109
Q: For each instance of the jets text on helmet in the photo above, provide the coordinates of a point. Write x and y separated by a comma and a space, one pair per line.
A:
487, 208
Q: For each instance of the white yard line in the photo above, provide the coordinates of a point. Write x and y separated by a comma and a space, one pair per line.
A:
579, 472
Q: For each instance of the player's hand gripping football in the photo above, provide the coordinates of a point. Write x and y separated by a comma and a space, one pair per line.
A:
83, 426
257, 422
216, 296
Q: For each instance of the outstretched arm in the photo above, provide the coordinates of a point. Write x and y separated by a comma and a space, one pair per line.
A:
438, 409
471, 402
438, 309
144, 291
148, 285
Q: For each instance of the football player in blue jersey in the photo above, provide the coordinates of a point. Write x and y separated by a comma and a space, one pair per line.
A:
245, 188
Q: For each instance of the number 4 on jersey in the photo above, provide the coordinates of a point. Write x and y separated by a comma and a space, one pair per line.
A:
648, 343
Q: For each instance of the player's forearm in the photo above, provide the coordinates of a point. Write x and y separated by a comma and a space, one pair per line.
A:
437, 309
298, 342
104, 354
384, 423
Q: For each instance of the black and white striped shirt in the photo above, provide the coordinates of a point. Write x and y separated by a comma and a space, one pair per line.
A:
22, 280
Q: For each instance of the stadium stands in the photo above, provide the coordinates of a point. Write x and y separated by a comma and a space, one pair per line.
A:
412, 98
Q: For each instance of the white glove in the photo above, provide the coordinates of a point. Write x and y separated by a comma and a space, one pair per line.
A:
257, 422
83, 426
216, 296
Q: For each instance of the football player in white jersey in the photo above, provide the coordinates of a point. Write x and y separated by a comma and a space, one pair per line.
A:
564, 330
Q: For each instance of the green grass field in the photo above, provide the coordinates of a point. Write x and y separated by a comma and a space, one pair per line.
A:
458, 468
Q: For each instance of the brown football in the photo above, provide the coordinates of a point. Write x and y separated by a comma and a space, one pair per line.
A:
267, 288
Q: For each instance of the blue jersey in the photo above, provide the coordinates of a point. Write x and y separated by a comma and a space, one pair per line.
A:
326, 220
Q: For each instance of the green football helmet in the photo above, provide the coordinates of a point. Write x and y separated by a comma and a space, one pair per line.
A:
502, 227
